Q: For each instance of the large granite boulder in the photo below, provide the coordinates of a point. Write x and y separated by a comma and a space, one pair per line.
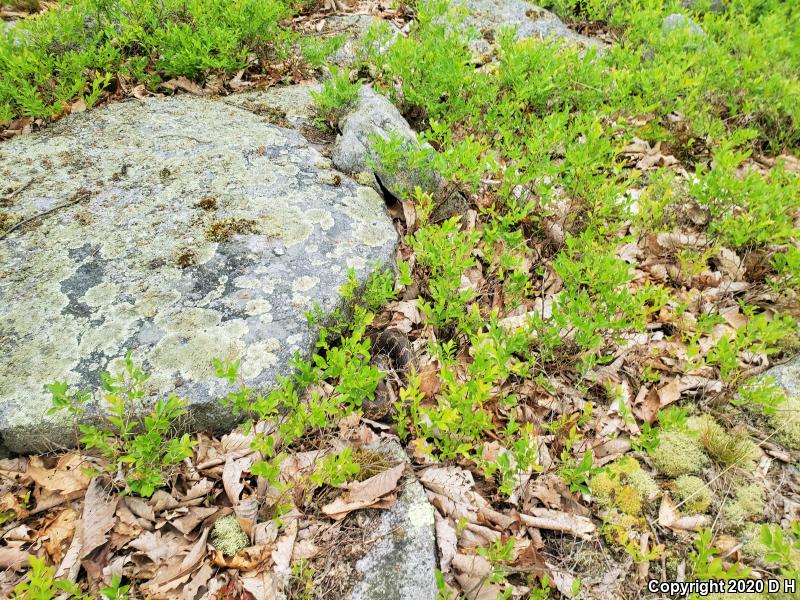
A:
181, 229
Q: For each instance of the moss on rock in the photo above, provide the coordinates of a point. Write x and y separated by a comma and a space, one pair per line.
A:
679, 453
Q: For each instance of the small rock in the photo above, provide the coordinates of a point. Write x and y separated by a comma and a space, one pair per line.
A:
530, 21
354, 151
401, 564
677, 21
355, 26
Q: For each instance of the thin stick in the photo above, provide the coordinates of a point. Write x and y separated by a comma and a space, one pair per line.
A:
42, 214
19, 190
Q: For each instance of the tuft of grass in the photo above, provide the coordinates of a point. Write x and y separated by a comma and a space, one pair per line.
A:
726, 447
338, 93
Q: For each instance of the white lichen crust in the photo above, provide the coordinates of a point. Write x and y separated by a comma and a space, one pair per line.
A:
198, 231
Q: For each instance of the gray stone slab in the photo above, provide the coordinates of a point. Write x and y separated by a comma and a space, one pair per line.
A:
402, 564
199, 230
286, 105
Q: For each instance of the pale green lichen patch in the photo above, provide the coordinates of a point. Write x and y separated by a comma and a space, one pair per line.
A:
228, 537
193, 251
679, 453
693, 494
747, 504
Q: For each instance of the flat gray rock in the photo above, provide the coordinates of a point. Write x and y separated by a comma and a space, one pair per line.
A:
402, 564
529, 20
282, 105
787, 376
196, 230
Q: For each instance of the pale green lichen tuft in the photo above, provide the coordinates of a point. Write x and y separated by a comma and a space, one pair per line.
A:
753, 546
619, 528
786, 427
228, 536
623, 485
693, 493
749, 502
678, 454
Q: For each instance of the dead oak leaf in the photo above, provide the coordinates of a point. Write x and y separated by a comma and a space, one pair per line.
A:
99, 506
555, 520
66, 477
13, 558
363, 494
248, 559
669, 516
58, 532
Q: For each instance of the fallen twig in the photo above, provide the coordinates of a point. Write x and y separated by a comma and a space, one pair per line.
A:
18, 191
42, 214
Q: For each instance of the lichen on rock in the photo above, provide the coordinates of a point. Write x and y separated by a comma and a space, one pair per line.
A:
191, 223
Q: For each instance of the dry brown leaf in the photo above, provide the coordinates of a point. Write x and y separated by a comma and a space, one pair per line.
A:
67, 477
71, 565
57, 533
446, 541
195, 516
231, 479
471, 572
161, 500
362, 494
248, 559
261, 585
282, 555
13, 558
563, 580
669, 393
545, 518
78, 106
182, 83
668, 516
140, 508
97, 519
198, 580
198, 490
646, 404
177, 571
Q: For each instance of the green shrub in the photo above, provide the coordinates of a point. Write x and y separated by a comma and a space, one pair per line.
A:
79, 49
337, 94
135, 441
